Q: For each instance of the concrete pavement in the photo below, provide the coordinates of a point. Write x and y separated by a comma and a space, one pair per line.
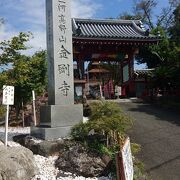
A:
157, 130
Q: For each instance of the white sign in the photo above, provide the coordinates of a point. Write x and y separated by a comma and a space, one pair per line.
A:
33, 95
8, 95
127, 160
78, 90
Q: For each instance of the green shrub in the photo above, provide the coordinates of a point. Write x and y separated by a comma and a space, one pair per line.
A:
135, 148
110, 123
110, 116
107, 118
80, 131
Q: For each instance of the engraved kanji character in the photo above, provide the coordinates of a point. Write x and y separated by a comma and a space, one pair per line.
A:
62, 6
64, 88
64, 52
62, 28
62, 19
62, 39
64, 69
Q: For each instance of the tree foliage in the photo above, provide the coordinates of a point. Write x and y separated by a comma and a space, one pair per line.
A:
108, 122
144, 9
165, 56
155, 55
172, 63
27, 73
174, 30
11, 49
168, 73
105, 116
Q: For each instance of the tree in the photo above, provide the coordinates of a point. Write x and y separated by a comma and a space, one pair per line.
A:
171, 53
11, 49
173, 63
144, 9
127, 16
164, 57
174, 30
155, 55
27, 73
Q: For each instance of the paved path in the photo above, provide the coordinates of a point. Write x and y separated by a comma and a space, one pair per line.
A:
157, 130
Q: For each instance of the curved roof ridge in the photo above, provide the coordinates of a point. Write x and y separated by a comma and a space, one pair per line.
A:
138, 28
74, 23
110, 28
107, 20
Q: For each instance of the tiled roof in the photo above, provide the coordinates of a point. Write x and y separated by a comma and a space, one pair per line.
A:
144, 72
110, 29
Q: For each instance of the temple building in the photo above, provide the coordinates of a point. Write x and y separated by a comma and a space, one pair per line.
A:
111, 45
143, 80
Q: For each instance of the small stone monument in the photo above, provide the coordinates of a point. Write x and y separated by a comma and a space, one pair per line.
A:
57, 118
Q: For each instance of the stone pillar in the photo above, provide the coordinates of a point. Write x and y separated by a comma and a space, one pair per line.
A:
61, 114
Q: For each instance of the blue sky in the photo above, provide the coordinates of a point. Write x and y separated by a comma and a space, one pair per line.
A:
29, 15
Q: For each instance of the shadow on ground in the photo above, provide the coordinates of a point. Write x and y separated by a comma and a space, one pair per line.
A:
161, 113
157, 130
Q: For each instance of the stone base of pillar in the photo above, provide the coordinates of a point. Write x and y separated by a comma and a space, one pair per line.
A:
56, 121
48, 133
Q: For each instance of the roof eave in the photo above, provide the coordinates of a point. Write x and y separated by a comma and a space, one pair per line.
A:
117, 39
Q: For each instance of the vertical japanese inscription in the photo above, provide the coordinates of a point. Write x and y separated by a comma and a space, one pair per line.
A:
64, 53
60, 60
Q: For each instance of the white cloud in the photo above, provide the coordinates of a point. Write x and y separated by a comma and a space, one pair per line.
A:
37, 43
84, 8
5, 34
30, 16
27, 11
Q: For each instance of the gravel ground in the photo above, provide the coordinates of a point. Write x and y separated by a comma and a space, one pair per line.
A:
13, 131
47, 170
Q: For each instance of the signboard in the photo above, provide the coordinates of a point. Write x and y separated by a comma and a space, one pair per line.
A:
33, 95
125, 73
78, 90
34, 107
8, 95
8, 99
127, 160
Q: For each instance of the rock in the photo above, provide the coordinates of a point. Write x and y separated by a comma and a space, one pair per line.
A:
16, 163
20, 138
79, 161
48, 148
73, 157
41, 147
